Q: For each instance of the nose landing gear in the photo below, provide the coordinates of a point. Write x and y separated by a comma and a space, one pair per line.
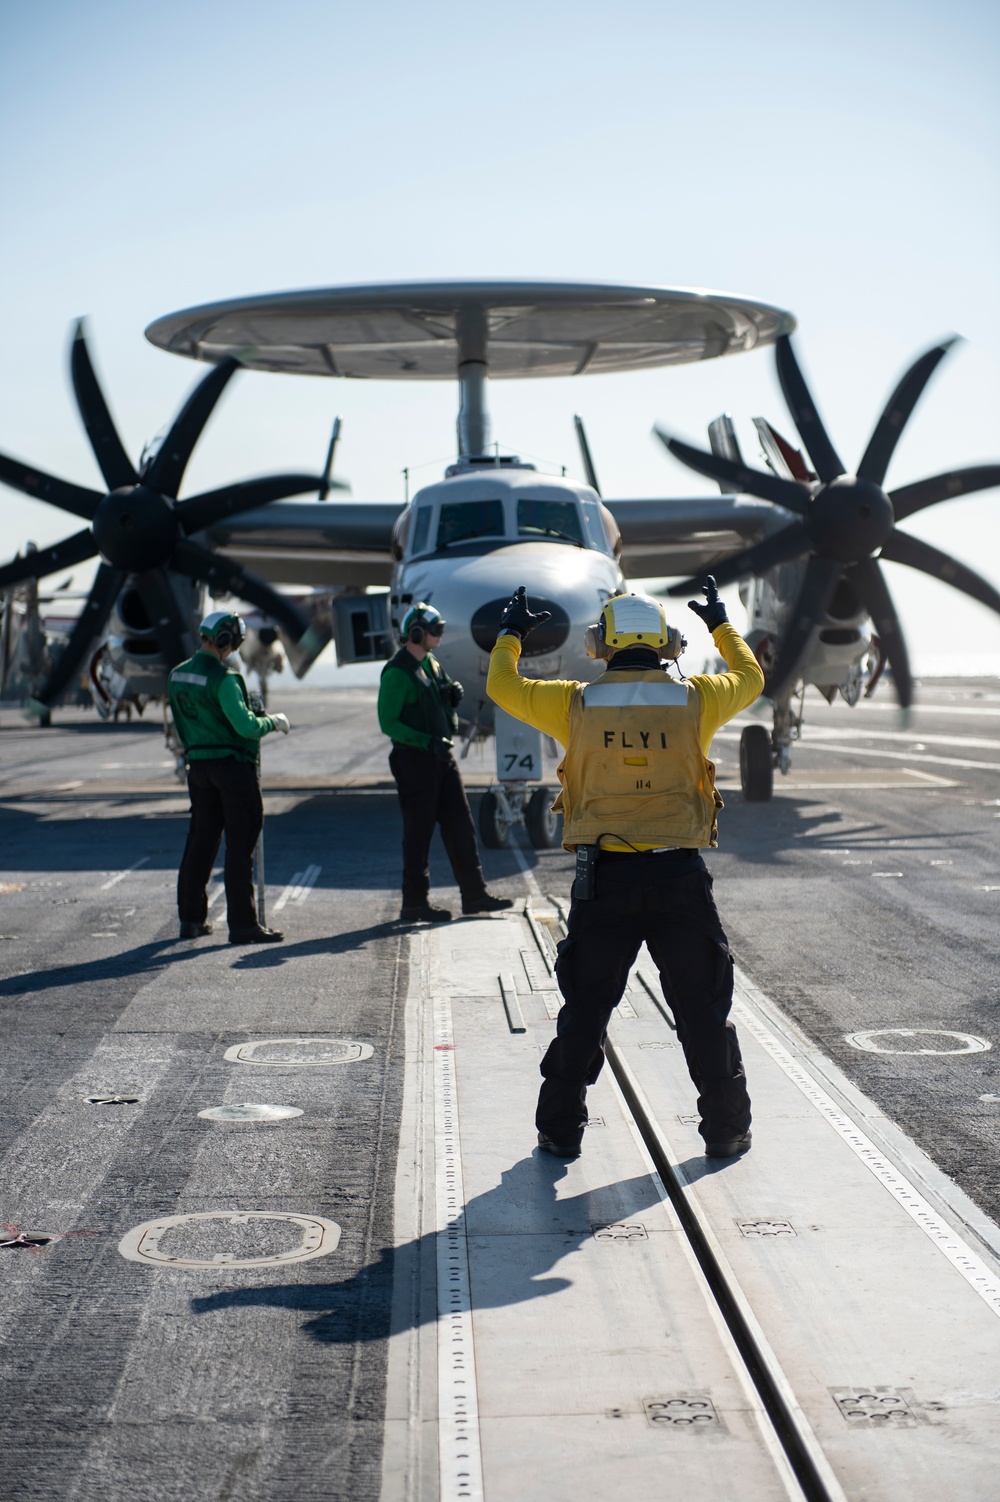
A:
513, 803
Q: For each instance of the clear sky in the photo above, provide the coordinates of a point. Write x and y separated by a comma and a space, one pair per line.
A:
839, 160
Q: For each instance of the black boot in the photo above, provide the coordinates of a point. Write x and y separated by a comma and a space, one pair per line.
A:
486, 903
422, 912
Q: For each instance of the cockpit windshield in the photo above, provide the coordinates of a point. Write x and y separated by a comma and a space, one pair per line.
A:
558, 519
460, 521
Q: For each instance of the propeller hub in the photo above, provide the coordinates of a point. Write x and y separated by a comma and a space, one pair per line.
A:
850, 519
136, 528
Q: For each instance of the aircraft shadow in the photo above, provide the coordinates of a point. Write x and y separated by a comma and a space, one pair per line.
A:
784, 831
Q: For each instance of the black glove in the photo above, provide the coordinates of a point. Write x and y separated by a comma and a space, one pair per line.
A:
713, 612
440, 746
455, 691
518, 618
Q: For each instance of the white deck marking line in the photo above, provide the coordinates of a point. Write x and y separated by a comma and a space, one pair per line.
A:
122, 874
526, 871
298, 888
959, 1254
902, 737
845, 749
459, 1453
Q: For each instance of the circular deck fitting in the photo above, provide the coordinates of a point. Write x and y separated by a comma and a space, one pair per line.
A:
423, 331
298, 1051
249, 1111
188, 1234
872, 1042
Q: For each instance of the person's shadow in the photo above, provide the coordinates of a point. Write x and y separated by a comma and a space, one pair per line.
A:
518, 1231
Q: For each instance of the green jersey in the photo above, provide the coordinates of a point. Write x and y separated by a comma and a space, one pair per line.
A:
414, 701
211, 710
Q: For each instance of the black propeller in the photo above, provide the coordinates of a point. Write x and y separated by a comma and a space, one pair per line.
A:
140, 529
844, 521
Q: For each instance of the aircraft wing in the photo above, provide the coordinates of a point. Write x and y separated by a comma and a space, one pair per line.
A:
684, 536
312, 542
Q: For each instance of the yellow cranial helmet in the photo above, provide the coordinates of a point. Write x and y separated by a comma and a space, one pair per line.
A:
634, 621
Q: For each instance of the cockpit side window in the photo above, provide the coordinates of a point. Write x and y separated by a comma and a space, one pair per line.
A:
463, 520
421, 528
596, 518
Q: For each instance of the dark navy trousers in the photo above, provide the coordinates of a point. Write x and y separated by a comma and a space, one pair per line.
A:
665, 901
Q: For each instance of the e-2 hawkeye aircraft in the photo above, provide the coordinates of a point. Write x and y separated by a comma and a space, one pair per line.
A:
493, 522
465, 544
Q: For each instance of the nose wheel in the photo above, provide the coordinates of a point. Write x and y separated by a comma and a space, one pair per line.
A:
756, 764
512, 803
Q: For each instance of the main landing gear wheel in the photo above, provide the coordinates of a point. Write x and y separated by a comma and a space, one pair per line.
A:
544, 826
756, 764
494, 826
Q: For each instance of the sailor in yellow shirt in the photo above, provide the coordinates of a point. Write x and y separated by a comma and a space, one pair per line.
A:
638, 801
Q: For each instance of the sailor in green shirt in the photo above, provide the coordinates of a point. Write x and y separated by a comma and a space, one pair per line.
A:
417, 704
221, 737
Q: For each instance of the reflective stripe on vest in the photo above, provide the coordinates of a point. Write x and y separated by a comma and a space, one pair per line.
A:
634, 767
624, 695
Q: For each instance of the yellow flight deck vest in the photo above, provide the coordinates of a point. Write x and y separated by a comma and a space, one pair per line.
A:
634, 767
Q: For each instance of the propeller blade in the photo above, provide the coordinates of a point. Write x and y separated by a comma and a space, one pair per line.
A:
43, 487
739, 477
222, 575
896, 415
46, 560
803, 409
815, 595
171, 622
326, 484
585, 454
166, 470
115, 465
956, 482
307, 638
104, 592
212, 506
790, 542
866, 577
902, 548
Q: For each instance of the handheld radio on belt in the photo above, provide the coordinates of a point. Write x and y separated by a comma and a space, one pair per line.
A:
585, 885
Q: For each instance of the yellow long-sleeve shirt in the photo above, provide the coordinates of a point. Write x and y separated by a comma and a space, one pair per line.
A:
545, 705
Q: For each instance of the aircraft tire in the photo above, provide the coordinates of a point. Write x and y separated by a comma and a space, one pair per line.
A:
756, 764
494, 829
544, 827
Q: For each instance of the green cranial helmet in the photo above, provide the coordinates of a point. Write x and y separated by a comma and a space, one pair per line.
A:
224, 629
419, 620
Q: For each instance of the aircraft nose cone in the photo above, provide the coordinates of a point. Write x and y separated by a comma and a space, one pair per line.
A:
544, 639
135, 528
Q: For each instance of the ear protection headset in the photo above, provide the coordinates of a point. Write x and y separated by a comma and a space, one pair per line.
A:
230, 635
420, 620
224, 630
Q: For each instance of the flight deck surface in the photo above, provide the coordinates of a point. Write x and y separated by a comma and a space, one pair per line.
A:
394, 1294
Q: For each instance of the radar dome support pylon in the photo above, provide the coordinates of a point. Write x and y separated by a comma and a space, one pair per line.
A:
474, 427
